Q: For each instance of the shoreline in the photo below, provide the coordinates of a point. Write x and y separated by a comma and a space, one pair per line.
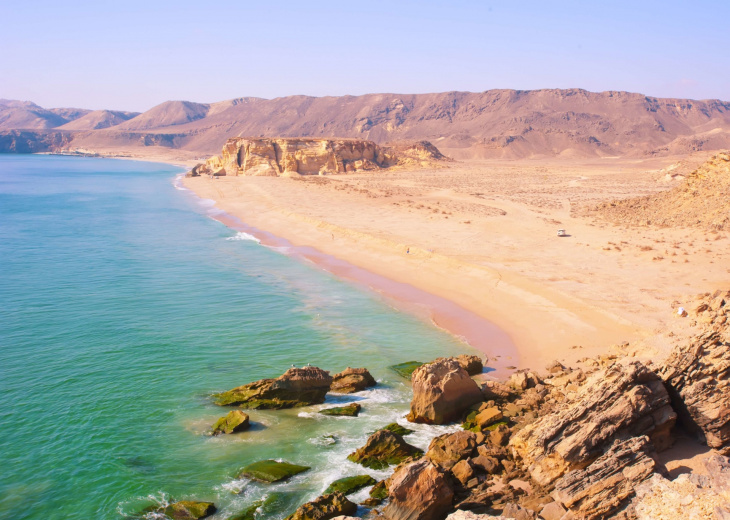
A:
477, 332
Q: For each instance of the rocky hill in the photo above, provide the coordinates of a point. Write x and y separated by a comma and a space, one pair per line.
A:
491, 124
307, 156
99, 119
701, 200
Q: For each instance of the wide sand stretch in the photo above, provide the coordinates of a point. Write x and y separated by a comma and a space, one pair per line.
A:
483, 235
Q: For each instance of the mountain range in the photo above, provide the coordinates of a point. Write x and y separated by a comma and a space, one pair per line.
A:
508, 124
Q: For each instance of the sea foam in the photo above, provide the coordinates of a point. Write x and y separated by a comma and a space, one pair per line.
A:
244, 236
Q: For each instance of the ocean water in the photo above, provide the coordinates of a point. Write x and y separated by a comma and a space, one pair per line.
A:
124, 306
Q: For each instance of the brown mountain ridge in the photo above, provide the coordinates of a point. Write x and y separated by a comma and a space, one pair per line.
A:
509, 124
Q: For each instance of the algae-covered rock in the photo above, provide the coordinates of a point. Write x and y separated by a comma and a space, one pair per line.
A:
352, 380
351, 410
406, 369
379, 491
188, 509
349, 485
249, 513
398, 429
271, 471
325, 507
236, 421
382, 449
296, 387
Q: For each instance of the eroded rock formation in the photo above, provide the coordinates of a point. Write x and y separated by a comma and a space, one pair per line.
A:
308, 156
382, 449
698, 377
325, 507
418, 491
296, 387
442, 392
625, 400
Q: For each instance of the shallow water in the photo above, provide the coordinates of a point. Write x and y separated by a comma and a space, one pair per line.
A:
125, 306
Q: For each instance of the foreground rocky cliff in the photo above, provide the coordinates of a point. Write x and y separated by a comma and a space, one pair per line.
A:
564, 443
300, 156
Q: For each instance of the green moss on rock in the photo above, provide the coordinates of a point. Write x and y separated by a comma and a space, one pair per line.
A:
189, 510
236, 421
397, 429
271, 471
379, 491
382, 449
406, 369
351, 410
349, 485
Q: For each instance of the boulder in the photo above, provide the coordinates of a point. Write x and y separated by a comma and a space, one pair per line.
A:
325, 507
418, 491
296, 387
624, 400
351, 410
608, 483
687, 496
406, 369
236, 421
271, 471
488, 416
349, 485
352, 380
442, 392
462, 471
698, 378
448, 449
472, 364
494, 390
189, 510
382, 449
468, 515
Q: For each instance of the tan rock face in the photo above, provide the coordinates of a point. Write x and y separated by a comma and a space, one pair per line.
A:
688, 496
324, 508
352, 380
442, 392
627, 399
609, 482
418, 491
698, 377
446, 450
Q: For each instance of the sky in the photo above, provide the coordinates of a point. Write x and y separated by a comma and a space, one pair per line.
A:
133, 55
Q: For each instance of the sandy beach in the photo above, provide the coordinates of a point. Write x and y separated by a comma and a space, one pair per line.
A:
483, 235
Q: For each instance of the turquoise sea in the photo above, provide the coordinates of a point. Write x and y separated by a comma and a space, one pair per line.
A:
124, 305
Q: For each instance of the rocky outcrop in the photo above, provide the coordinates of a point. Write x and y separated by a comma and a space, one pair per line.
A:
325, 507
698, 377
625, 400
236, 421
296, 387
351, 410
352, 380
405, 370
382, 449
418, 491
704, 496
608, 483
189, 510
271, 471
442, 392
448, 449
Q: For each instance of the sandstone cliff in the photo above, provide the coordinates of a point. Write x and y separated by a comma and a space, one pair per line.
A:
306, 156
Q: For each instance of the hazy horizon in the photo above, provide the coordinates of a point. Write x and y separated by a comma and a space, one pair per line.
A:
134, 56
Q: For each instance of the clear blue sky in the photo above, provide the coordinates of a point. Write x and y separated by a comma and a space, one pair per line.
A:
132, 55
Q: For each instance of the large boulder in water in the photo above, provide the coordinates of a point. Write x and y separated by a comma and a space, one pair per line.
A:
325, 507
189, 510
442, 392
236, 421
382, 449
625, 400
296, 387
351, 410
352, 380
418, 491
348, 485
698, 377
